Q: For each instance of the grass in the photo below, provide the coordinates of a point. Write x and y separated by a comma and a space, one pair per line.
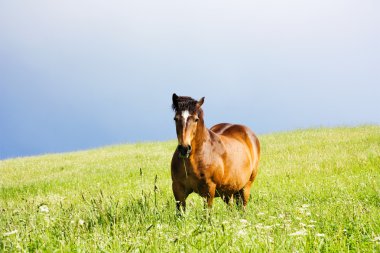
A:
318, 190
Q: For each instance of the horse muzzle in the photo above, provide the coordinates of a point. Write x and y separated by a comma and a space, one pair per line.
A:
184, 152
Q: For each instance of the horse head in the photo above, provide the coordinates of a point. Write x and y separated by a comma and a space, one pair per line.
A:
188, 117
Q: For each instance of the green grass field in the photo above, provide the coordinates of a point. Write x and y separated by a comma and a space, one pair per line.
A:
317, 191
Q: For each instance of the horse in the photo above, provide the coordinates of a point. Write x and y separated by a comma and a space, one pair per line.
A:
218, 162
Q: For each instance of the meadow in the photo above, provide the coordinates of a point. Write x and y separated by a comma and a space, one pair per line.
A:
318, 190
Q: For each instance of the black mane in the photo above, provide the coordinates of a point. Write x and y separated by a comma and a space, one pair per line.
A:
182, 103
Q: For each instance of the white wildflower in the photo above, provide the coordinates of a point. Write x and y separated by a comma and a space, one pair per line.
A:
305, 206
311, 226
313, 221
298, 218
302, 210
320, 235
259, 225
47, 219
260, 214
81, 222
43, 209
300, 232
308, 213
243, 221
376, 239
281, 216
302, 224
10, 233
241, 233
267, 227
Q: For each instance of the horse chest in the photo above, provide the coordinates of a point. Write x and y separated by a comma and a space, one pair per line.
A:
198, 175
201, 178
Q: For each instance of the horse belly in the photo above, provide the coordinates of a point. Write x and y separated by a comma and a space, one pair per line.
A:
237, 169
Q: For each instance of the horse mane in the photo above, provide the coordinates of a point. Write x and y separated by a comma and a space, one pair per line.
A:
184, 103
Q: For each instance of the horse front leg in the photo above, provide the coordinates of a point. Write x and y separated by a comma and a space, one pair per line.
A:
210, 195
180, 194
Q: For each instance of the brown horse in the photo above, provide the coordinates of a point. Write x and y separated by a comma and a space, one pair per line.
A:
220, 162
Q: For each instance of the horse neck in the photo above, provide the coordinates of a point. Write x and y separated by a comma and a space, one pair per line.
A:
202, 135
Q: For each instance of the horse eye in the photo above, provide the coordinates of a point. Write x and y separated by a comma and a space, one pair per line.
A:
175, 119
196, 120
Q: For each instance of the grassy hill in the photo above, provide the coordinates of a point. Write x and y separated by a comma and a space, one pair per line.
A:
317, 190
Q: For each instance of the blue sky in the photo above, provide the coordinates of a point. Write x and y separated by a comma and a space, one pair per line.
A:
81, 74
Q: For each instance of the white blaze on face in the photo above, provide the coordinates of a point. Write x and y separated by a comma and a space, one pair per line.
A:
185, 115
185, 138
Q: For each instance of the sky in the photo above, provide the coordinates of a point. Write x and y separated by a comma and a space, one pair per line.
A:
79, 74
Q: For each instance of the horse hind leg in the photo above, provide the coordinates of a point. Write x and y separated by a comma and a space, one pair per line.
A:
237, 197
228, 199
246, 191
242, 196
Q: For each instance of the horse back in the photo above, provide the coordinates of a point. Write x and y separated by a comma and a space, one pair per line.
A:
237, 131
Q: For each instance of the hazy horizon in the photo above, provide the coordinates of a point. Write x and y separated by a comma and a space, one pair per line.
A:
83, 74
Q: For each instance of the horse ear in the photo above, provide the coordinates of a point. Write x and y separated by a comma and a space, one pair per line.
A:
175, 100
200, 102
